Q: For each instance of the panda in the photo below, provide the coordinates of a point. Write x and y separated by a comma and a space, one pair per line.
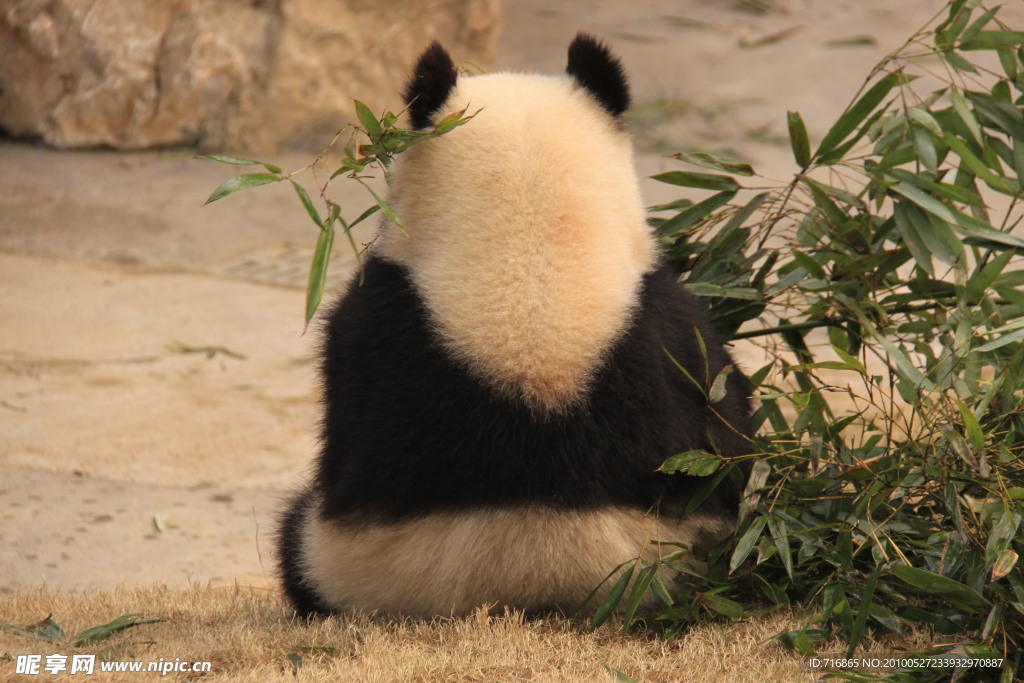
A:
501, 384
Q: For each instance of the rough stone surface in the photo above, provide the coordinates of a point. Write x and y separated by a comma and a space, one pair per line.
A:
218, 74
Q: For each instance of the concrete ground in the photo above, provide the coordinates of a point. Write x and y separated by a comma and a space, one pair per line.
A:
157, 395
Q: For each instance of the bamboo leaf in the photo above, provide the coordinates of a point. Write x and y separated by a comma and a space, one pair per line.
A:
717, 163
370, 123
452, 121
697, 463
686, 219
723, 606
705, 181
612, 599
1004, 564
383, 205
318, 271
47, 630
856, 113
307, 203
242, 182
950, 589
863, 610
798, 139
966, 115
993, 40
779, 537
708, 290
640, 587
963, 224
98, 634
747, 543
976, 165
718, 388
984, 277
240, 162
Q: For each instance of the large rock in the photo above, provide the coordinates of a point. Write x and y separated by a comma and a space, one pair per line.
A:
218, 74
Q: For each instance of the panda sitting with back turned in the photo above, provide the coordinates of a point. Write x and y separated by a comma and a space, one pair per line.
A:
498, 396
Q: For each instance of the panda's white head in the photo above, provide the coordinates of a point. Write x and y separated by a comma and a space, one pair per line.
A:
525, 233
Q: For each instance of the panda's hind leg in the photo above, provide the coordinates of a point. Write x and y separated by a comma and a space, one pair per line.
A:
290, 554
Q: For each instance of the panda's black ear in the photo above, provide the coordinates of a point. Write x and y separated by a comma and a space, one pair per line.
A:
430, 84
600, 72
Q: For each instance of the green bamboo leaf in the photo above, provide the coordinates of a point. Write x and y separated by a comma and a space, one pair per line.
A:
674, 205
910, 231
697, 463
953, 193
798, 139
693, 380
718, 388
242, 182
741, 216
851, 362
1001, 341
747, 543
976, 165
370, 123
984, 277
686, 219
856, 113
240, 162
863, 610
940, 239
723, 606
964, 225
717, 163
950, 589
923, 118
364, 215
801, 640
778, 530
976, 25
705, 181
307, 203
948, 31
98, 634
661, 592
639, 589
905, 368
612, 600
1008, 60
836, 216
1006, 117
383, 205
993, 40
966, 115
956, 61
925, 149
47, 630
451, 122
318, 271
1002, 535
618, 676
708, 290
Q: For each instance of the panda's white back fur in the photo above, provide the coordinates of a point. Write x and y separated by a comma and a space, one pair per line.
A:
529, 255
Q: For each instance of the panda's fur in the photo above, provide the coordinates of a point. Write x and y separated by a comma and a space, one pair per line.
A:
500, 388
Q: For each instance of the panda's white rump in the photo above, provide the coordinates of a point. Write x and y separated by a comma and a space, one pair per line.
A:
532, 558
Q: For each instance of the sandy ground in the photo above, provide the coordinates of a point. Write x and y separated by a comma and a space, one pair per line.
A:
157, 397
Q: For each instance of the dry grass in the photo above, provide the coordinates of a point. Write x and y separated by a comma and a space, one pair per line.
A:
247, 635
